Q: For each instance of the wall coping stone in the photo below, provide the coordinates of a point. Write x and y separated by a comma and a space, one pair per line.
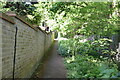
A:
24, 21
7, 18
36, 28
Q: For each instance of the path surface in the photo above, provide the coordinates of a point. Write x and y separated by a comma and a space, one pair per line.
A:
53, 66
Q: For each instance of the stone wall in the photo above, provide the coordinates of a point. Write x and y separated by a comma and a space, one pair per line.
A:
31, 44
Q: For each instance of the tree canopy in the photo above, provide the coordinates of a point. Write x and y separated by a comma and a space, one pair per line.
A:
88, 18
73, 18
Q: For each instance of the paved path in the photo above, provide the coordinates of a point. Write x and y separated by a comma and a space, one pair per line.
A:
53, 66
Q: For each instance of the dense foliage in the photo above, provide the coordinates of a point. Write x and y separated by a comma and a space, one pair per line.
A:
95, 48
25, 9
90, 59
86, 18
21, 8
72, 18
84, 66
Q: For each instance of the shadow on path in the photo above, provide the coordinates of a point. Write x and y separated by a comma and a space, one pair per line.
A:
53, 65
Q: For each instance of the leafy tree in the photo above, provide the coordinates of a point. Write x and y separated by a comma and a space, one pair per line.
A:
21, 8
73, 18
86, 18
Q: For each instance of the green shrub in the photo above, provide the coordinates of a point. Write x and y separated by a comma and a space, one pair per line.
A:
101, 46
66, 47
84, 60
84, 66
63, 49
95, 48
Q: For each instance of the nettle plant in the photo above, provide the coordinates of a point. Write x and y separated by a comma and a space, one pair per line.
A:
101, 47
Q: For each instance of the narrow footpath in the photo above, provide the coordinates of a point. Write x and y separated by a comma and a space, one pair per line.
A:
52, 66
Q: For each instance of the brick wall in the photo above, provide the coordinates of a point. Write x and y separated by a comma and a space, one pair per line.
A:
8, 40
0, 49
31, 44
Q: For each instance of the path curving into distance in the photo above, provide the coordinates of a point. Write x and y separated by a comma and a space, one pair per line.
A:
53, 65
